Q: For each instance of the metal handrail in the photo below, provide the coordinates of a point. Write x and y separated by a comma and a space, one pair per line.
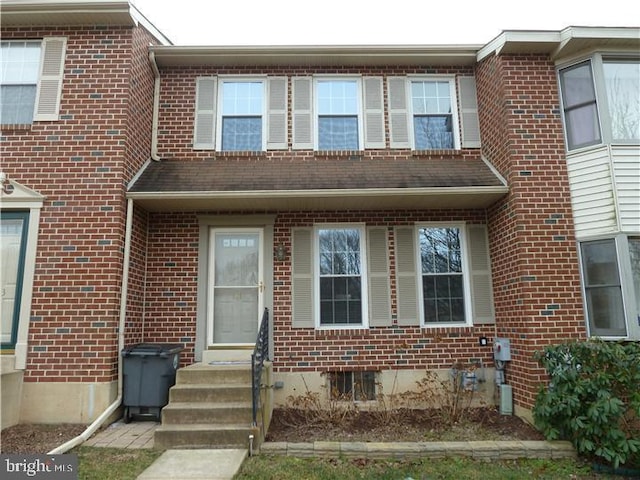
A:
260, 353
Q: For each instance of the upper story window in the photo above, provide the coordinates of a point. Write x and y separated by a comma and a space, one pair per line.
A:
601, 101
241, 115
20, 69
338, 110
432, 114
31, 80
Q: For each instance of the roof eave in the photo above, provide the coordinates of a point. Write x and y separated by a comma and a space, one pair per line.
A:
328, 199
560, 43
270, 55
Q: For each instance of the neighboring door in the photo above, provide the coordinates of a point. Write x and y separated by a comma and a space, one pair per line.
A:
235, 285
13, 231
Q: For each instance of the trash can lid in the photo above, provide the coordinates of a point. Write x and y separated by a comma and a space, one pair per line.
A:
152, 349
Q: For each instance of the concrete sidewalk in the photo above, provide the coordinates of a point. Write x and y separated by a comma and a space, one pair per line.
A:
220, 464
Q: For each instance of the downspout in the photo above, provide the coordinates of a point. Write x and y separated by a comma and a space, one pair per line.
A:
97, 423
156, 107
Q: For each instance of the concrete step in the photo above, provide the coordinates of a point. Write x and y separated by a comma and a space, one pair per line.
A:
204, 436
207, 412
210, 393
199, 374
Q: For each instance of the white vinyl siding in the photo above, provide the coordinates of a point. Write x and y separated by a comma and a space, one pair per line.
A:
626, 169
51, 75
591, 185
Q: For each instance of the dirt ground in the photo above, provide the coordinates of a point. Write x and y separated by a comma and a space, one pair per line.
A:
486, 423
293, 425
37, 438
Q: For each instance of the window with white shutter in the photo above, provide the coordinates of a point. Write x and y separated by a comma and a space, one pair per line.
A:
31, 74
443, 275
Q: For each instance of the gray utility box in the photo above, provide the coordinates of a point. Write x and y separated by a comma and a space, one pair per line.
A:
149, 371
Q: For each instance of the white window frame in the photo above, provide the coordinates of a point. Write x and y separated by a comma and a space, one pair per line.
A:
219, 106
466, 275
361, 227
453, 94
596, 62
631, 316
359, 113
38, 76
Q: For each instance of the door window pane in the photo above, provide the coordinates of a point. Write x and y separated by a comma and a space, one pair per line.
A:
605, 309
622, 80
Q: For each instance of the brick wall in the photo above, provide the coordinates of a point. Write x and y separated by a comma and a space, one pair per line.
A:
533, 249
79, 164
171, 301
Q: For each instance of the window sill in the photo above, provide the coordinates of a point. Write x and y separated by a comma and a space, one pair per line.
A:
359, 331
15, 127
350, 154
436, 153
242, 154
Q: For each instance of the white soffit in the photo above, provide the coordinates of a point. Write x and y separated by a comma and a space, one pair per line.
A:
563, 43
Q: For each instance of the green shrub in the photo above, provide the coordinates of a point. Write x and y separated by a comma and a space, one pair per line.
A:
593, 398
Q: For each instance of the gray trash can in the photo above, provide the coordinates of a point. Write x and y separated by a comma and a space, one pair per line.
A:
149, 371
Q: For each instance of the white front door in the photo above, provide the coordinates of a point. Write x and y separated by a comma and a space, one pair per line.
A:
236, 285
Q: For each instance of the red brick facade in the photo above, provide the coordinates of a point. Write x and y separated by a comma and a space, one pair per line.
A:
533, 249
81, 163
84, 162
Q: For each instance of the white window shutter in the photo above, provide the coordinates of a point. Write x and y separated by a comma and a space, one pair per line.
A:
379, 289
373, 113
469, 123
277, 113
204, 128
302, 281
480, 275
407, 276
302, 113
49, 92
398, 113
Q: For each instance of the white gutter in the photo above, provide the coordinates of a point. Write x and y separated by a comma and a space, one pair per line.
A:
97, 423
156, 107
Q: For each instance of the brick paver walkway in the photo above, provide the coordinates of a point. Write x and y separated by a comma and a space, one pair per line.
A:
122, 435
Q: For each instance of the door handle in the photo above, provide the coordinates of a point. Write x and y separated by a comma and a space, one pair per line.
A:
261, 286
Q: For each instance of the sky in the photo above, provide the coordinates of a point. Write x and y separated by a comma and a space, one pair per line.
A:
373, 22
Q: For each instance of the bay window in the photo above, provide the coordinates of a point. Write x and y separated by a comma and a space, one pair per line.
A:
601, 101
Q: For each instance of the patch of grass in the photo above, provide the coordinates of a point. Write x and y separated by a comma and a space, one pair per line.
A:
113, 463
292, 468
